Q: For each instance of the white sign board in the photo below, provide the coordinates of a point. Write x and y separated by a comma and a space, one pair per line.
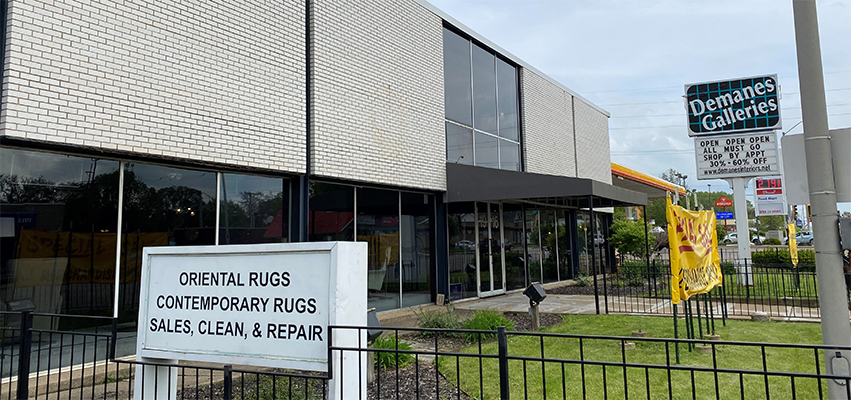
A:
795, 166
264, 305
771, 208
736, 156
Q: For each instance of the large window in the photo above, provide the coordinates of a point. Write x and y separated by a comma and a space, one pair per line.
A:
58, 216
480, 100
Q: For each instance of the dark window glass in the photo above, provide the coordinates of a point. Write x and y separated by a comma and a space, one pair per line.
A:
565, 255
507, 85
332, 210
512, 231
457, 102
462, 251
459, 144
163, 206
509, 155
416, 230
533, 245
585, 238
487, 151
484, 91
254, 209
550, 245
58, 216
378, 225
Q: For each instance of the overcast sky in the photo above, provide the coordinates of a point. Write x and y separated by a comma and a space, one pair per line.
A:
633, 58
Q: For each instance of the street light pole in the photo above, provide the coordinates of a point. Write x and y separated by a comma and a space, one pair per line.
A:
833, 295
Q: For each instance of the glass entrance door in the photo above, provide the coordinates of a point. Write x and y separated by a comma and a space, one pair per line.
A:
490, 251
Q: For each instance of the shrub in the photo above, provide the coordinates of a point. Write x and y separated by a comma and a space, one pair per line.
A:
582, 281
772, 241
485, 320
386, 359
781, 258
446, 319
628, 237
634, 274
728, 268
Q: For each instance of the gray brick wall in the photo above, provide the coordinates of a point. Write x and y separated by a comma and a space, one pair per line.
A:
378, 86
548, 126
207, 81
592, 143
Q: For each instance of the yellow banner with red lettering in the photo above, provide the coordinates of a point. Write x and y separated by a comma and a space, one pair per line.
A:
793, 243
695, 264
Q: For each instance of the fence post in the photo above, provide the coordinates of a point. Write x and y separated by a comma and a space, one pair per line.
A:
228, 382
24, 355
114, 339
503, 363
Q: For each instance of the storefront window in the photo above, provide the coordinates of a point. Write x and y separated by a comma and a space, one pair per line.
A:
58, 216
417, 235
163, 206
462, 251
378, 226
550, 245
332, 210
583, 233
515, 261
534, 248
565, 253
254, 209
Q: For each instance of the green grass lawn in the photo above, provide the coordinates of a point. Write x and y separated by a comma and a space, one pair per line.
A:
566, 379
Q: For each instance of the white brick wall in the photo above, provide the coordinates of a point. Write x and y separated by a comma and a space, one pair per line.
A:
592, 143
548, 126
209, 81
378, 89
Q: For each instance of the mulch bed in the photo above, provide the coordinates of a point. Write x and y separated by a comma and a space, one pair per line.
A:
523, 321
427, 386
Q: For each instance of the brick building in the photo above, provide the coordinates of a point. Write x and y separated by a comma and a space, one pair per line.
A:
130, 124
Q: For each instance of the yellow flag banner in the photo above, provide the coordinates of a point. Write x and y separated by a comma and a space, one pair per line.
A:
793, 243
695, 264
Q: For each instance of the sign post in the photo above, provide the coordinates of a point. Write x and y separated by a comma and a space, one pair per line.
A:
266, 305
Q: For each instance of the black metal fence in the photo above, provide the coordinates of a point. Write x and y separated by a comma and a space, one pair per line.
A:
423, 363
778, 289
533, 365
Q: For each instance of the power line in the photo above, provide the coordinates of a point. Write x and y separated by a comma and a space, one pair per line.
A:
681, 100
681, 114
682, 126
682, 86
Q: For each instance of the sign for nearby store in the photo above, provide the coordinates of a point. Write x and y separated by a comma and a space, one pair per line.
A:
732, 156
733, 106
723, 201
723, 215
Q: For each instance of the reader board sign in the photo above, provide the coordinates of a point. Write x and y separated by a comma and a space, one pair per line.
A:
264, 305
733, 156
733, 106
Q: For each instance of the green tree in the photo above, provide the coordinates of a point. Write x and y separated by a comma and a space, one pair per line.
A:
629, 237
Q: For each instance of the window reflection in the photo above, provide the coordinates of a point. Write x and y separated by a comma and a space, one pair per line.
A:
332, 210
378, 225
458, 104
487, 151
459, 144
507, 89
484, 91
163, 206
58, 216
417, 236
462, 251
253, 209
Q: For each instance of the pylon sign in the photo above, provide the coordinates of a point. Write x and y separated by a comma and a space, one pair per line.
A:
733, 106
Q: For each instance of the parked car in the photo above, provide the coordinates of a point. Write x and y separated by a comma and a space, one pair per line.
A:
802, 238
657, 229
734, 238
465, 245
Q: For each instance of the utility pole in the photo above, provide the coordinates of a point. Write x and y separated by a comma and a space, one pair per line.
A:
833, 297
